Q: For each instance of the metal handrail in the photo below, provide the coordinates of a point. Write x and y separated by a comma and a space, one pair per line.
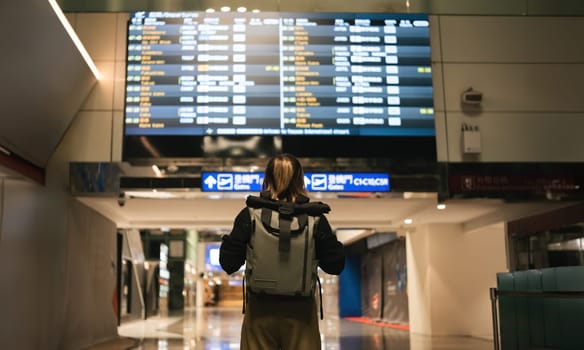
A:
495, 293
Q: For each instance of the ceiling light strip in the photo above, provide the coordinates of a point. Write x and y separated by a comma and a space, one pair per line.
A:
75, 38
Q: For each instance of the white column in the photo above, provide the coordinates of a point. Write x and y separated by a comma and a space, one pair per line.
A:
449, 275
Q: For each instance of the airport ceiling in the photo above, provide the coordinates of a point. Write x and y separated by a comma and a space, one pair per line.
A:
44, 79
360, 215
438, 7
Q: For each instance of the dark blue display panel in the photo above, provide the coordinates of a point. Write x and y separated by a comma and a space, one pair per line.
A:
278, 74
315, 182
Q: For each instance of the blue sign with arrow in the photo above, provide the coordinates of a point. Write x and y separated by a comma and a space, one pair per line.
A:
231, 182
315, 182
347, 182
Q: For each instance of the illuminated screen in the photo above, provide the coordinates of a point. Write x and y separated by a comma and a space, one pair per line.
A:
212, 263
287, 74
212, 257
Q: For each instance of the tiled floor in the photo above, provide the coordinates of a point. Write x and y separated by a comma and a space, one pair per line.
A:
219, 328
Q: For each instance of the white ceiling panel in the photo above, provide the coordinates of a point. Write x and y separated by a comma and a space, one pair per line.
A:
363, 215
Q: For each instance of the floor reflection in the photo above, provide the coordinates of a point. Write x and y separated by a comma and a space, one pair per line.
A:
219, 328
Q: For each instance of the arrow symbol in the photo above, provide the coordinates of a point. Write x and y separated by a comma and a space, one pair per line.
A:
210, 181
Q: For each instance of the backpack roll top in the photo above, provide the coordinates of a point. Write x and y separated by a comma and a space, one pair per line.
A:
281, 255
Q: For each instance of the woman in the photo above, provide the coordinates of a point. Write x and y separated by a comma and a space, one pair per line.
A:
280, 322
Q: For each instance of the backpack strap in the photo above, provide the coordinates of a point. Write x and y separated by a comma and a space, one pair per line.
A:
245, 295
284, 231
266, 217
320, 294
286, 211
310, 208
284, 240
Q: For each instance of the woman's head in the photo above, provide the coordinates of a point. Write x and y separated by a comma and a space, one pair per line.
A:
284, 177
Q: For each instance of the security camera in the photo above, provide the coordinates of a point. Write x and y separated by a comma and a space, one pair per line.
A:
122, 199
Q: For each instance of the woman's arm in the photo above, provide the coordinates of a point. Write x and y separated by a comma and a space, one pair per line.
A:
233, 247
329, 251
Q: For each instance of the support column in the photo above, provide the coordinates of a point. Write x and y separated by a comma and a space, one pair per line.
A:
449, 275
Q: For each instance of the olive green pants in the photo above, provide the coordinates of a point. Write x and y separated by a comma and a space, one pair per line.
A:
273, 324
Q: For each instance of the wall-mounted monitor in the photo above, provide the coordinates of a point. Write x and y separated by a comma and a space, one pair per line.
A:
201, 83
212, 257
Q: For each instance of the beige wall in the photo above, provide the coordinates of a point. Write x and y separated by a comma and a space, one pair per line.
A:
57, 264
58, 257
419, 273
449, 274
20, 270
96, 133
90, 285
529, 70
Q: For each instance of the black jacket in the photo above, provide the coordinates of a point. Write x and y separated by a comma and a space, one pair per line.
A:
329, 251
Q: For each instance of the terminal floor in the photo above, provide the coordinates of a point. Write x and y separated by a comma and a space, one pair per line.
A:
219, 329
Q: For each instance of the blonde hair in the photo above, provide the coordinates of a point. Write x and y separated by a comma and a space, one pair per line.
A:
284, 178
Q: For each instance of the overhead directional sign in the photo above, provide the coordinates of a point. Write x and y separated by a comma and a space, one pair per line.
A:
315, 182
232, 182
347, 182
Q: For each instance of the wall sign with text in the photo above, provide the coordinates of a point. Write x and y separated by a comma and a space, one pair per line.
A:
315, 182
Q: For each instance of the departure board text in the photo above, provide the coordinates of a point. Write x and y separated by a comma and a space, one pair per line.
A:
192, 73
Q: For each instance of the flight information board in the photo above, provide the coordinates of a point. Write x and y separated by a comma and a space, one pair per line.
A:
197, 73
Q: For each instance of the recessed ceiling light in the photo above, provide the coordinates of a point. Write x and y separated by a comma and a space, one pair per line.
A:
441, 206
210, 10
225, 9
408, 221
